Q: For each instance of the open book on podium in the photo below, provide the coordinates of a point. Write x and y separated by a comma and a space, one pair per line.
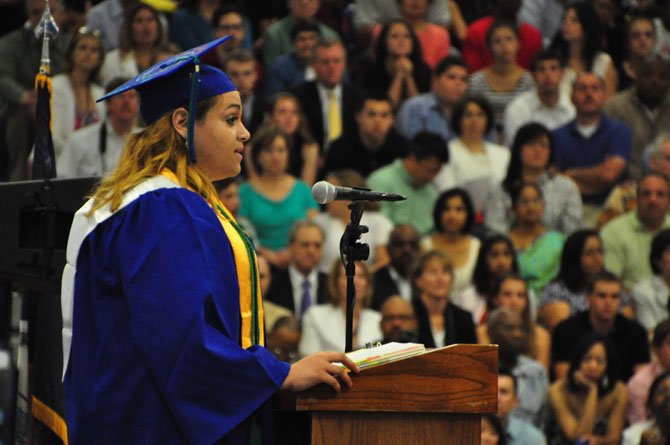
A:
381, 354
434, 397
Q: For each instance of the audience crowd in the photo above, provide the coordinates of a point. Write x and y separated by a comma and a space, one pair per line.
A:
531, 138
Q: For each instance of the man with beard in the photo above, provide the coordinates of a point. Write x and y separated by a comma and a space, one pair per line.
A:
395, 279
645, 106
398, 321
627, 238
627, 337
505, 328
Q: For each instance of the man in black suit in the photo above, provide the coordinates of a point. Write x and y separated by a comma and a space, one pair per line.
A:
328, 92
301, 285
395, 279
241, 67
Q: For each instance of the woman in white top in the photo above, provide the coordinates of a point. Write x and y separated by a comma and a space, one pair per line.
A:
142, 41
580, 42
75, 90
475, 164
337, 216
453, 217
651, 295
324, 325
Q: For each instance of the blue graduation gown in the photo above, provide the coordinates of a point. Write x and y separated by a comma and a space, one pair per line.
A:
155, 355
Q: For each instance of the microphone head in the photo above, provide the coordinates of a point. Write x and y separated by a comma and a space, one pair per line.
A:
323, 192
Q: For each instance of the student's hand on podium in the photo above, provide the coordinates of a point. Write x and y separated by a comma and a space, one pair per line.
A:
319, 368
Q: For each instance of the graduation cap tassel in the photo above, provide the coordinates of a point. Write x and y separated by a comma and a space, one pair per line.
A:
195, 80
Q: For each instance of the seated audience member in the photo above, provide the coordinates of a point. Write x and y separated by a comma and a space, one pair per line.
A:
369, 14
505, 328
544, 15
412, 176
588, 403
453, 218
283, 339
327, 100
285, 112
274, 199
142, 38
432, 111
532, 161
496, 259
290, 70
441, 323
324, 325
641, 40
492, 431
627, 238
191, 23
512, 292
375, 144
277, 40
644, 107
538, 248
517, 431
504, 79
546, 104
227, 19
639, 384
580, 43
475, 50
475, 164
627, 337
76, 90
435, 39
398, 322
395, 278
651, 295
107, 17
593, 150
654, 429
271, 312
241, 67
301, 284
229, 193
336, 217
20, 53
396, 69
95, 149
582, 258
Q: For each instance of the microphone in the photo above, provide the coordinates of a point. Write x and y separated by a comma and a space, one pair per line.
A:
324, 192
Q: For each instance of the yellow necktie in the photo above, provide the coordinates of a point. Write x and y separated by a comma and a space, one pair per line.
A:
334, 117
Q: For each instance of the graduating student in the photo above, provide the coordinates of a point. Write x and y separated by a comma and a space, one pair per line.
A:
162, 313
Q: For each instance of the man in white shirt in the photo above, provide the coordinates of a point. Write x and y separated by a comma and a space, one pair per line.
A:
95, 149
545, 104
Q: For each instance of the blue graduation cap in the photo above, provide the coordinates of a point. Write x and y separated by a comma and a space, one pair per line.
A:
175, 82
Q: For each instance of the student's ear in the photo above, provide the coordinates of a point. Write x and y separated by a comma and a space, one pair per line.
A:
180, 121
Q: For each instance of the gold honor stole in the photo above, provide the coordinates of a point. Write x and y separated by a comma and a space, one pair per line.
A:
251, 307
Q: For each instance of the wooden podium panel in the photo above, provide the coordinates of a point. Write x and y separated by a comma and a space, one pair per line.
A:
436, 397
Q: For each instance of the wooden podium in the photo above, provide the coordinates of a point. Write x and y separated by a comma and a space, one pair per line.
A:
434, 398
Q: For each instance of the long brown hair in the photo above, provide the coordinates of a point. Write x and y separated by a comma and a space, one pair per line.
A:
146, 153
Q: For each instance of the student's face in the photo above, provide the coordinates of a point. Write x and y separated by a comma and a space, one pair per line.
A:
274, 158
451, 85
375, 120
504, 44
436, 279
329, 65
604, 300
594, 363
535, 153
548, 75
592, 258
507, 400
513, 294
499, 259
641, 38
220, 137
399, 40
454, 215
473, 122
286, 116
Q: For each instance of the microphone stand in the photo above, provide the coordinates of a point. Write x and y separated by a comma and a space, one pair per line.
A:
351, 251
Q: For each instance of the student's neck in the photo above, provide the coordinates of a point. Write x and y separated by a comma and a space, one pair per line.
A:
600, 327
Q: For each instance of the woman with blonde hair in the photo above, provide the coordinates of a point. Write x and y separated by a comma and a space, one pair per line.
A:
162, 313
